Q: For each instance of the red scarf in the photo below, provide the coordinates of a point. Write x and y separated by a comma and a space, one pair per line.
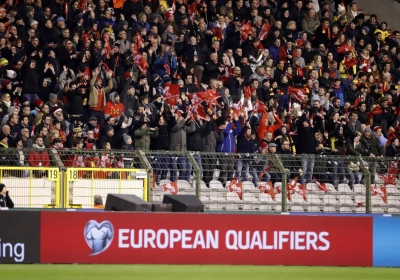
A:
299, 72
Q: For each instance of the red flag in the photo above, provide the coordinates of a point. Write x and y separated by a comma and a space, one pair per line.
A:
297, 93
393, 169
171, 93
224, 78
141, 62
170, 187
107, 45
344, 49
321, 186
236, 187
349, 63
198, 110
245, 31
264, 31
192, 10
379, 191
209, 96
217, 32
279, 190
259, 107
266, 187
301, 190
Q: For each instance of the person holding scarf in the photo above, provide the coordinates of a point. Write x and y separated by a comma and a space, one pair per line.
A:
323, 33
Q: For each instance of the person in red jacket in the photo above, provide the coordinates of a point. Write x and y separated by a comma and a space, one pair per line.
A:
39, 157
285, 53
114, 108
269, 123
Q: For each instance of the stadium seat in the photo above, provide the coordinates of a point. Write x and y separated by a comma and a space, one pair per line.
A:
330, 200
297, 209
233, 197
393, 200
359, 188
330, 187
393, 210
312, 186
344, 188
314, 199
216, 185
313, 209
345, 210
249, 198
346, 200
265, 198
360, 199
361, 210
392, 190
218, 197
247, 207
298, 199
377, 210
263, 208
329, 209
377, 201
248, 186
278, 208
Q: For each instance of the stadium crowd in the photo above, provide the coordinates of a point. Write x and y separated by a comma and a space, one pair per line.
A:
226, 76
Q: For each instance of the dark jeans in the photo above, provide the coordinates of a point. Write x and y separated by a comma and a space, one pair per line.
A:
227, 168
182, 164
209, 163
162, 164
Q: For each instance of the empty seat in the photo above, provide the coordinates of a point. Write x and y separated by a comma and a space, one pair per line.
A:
249, 198
247, 207
361, 210
298, 199
329, 209
344, 188
393, 210
346, 200
330, 187
312, 187
313, 209
377, 201
392, 190
278, 208
217, 197
377, 210
313, 199
330, 199
345, 210
248, 186
360, 199
359, 188
216, 185
393, 200
262, 207
297, 209
233, 197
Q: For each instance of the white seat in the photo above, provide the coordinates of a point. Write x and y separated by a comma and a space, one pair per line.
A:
247, 207
360, 199
393, 200
359, 188
278, 198
267, 199
392, 190
344, 188
361, 210
230, 207
278, 208
329, 209
313, 209
218, 196
393, 210
184, 184
297, 209
345, 210
377, 201
345, 199
313, 199
298, 199
248, 186
166, 181
330, 199
249, 198
330, 187
312, 187
377, 210
216, 185
233, 197
203, 186
262, 207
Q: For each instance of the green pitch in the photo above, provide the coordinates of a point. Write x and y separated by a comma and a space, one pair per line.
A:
192, 272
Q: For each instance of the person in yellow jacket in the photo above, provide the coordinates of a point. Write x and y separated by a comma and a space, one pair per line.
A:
383, 29
346, 72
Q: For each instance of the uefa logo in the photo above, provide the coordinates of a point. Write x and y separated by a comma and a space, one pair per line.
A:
98, 236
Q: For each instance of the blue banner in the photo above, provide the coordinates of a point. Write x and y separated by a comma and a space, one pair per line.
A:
386, 241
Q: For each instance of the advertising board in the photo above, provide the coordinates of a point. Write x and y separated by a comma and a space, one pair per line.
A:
160, 238
19, 236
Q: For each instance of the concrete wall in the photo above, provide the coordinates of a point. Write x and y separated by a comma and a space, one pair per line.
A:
386, 10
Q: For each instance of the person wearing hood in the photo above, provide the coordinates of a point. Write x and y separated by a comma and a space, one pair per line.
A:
114, 108
5, 200
38, 157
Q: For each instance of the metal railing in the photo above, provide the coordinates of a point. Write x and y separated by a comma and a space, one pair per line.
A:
223, 181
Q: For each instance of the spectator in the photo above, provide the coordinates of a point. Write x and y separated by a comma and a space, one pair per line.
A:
38, 157
5, 200
98, 202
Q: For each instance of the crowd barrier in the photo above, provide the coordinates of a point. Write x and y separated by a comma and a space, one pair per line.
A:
223, 181
197, 238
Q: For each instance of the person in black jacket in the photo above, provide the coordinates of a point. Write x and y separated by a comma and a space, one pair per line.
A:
246, 145
5, 200
194, 143
30, 84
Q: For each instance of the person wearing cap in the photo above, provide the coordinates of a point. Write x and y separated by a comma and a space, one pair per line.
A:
5, 200
97, 95
127, 145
